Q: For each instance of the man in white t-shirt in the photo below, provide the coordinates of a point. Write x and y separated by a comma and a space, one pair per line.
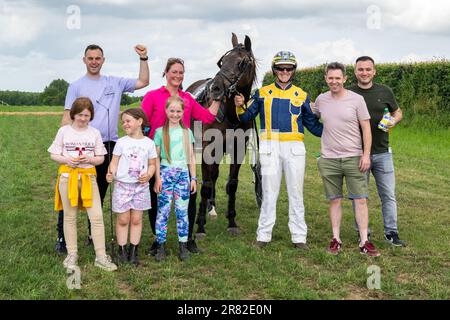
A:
345, 153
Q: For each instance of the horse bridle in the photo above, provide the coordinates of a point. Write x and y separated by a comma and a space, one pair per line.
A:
233, 84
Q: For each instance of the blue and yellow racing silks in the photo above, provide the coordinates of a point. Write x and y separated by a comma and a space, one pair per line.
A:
283, 113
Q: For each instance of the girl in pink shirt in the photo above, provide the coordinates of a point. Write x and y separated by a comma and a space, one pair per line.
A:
153, 104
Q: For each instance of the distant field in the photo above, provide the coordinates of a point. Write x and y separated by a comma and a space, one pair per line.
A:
45, 108
31, 108
230, 267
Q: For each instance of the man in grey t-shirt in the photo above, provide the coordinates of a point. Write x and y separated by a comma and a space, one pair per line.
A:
105, 92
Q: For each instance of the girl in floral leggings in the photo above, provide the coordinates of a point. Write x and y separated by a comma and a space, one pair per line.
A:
175, 161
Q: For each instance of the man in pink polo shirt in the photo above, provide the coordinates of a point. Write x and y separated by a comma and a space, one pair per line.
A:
154, 105
344, 153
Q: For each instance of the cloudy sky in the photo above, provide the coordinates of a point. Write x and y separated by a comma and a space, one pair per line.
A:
44, 40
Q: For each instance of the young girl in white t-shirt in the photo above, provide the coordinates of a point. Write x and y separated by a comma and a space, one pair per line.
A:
78, 148
132, 166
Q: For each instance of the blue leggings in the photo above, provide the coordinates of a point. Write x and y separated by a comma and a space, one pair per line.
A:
175, 184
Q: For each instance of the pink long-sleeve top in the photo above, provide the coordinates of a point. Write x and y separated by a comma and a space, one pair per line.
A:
154, 106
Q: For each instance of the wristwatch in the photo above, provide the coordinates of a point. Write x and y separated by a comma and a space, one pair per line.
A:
193, 178
144, 59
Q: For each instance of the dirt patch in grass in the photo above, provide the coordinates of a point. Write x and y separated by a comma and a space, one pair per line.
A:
126, 289
403, 278
254, 296
358, 293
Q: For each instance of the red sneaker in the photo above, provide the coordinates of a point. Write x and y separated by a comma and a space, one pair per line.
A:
369, 249
335, 247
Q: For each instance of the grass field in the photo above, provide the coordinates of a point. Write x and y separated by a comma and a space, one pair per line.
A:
230, 267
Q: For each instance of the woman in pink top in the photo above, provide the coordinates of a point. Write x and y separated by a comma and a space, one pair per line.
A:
153, 105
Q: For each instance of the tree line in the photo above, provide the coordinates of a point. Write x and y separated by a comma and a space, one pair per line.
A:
422, 89
53, 95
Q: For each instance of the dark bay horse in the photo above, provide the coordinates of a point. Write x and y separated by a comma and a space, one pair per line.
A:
236, 76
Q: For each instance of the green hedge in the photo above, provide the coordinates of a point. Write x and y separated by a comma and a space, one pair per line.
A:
422, 89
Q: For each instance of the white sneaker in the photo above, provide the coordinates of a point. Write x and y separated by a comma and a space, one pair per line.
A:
71, 260
105, 263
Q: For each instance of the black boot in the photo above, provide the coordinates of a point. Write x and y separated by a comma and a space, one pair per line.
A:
184, 253
123, 254
152, 249
89, 241
60, 246
133, 254
192, 246
160, 252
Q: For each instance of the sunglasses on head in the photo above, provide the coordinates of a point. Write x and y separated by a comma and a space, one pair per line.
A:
289, 69
176, 60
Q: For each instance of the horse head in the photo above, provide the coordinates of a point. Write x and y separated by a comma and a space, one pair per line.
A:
237, 71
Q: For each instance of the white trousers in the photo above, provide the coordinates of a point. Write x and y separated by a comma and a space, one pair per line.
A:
275, 158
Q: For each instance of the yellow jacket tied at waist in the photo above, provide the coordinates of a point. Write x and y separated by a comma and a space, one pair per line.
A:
86, 186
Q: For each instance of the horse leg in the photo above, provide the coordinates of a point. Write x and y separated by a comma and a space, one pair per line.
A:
214, 174
205, 192
210, 172
231, 189
232, 184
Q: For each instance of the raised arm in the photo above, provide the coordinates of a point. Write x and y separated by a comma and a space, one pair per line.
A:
144, 73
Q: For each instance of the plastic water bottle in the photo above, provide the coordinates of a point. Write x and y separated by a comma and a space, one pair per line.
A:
387, 118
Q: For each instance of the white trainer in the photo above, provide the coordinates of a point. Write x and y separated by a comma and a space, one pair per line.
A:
105, 263
71, 260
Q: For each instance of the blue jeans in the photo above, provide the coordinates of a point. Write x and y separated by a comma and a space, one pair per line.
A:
382, 168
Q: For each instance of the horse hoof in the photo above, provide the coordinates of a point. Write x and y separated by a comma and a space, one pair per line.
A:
234, 231
200, 236
212, 213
